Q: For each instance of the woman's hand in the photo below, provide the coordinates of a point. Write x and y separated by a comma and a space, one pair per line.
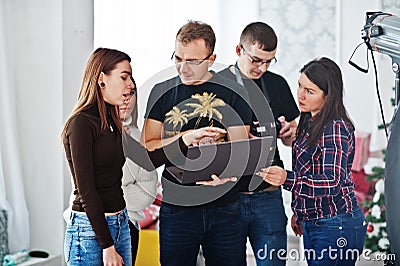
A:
286, 131
197, 135
297, 229
274, 175
217, 181
111, 257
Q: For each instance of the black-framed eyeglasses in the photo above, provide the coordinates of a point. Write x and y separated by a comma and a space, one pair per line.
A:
258, 62
192, 62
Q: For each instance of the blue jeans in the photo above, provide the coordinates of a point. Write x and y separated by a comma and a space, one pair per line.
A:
335, 241
217, 230
81, 246
264, 222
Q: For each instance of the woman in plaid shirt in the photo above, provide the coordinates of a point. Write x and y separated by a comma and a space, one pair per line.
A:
325, 208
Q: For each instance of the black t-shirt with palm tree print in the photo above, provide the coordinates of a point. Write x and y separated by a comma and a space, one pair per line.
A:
219, 102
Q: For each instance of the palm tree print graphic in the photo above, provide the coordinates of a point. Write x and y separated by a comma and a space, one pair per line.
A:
176, 117
206, 107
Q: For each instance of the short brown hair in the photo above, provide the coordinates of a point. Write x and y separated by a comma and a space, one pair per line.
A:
196, 30
261, 33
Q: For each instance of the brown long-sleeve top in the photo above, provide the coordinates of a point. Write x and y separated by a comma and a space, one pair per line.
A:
96, 158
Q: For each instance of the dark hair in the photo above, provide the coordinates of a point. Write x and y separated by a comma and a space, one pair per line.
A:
261, 33
195, 30
327, 76
101, 60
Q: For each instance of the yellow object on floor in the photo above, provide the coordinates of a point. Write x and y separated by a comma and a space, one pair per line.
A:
149, 248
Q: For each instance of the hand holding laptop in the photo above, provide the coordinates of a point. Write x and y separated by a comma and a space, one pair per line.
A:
275, 175
198, 135
216, 181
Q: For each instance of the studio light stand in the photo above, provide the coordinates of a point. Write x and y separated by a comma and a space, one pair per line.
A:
381, 33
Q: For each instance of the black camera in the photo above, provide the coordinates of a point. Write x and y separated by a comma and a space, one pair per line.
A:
257, 130
260, 131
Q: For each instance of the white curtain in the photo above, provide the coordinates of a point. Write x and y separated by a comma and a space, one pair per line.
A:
12, 198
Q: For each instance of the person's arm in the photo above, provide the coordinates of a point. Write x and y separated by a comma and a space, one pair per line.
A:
335, 146
152, 135
150, 160
296, 227
152, 132
288, 131
111, 257
80, 139
175, 148
289, 111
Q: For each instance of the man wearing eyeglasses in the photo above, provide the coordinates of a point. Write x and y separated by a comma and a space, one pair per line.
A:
263, 214
192, 216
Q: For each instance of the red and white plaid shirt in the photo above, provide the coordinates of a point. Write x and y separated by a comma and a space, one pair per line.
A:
321, 182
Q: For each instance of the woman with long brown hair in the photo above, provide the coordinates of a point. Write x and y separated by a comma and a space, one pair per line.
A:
97, 231
326, 211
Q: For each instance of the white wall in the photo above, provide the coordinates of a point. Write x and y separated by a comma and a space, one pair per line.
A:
51, 40
77, 46
38, 67
233, 16
150, 42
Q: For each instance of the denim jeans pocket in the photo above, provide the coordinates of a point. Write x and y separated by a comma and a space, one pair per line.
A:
87, 233
332, 222
167, 211
360, 232
233, 208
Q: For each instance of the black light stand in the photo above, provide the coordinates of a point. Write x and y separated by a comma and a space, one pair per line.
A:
381, 33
